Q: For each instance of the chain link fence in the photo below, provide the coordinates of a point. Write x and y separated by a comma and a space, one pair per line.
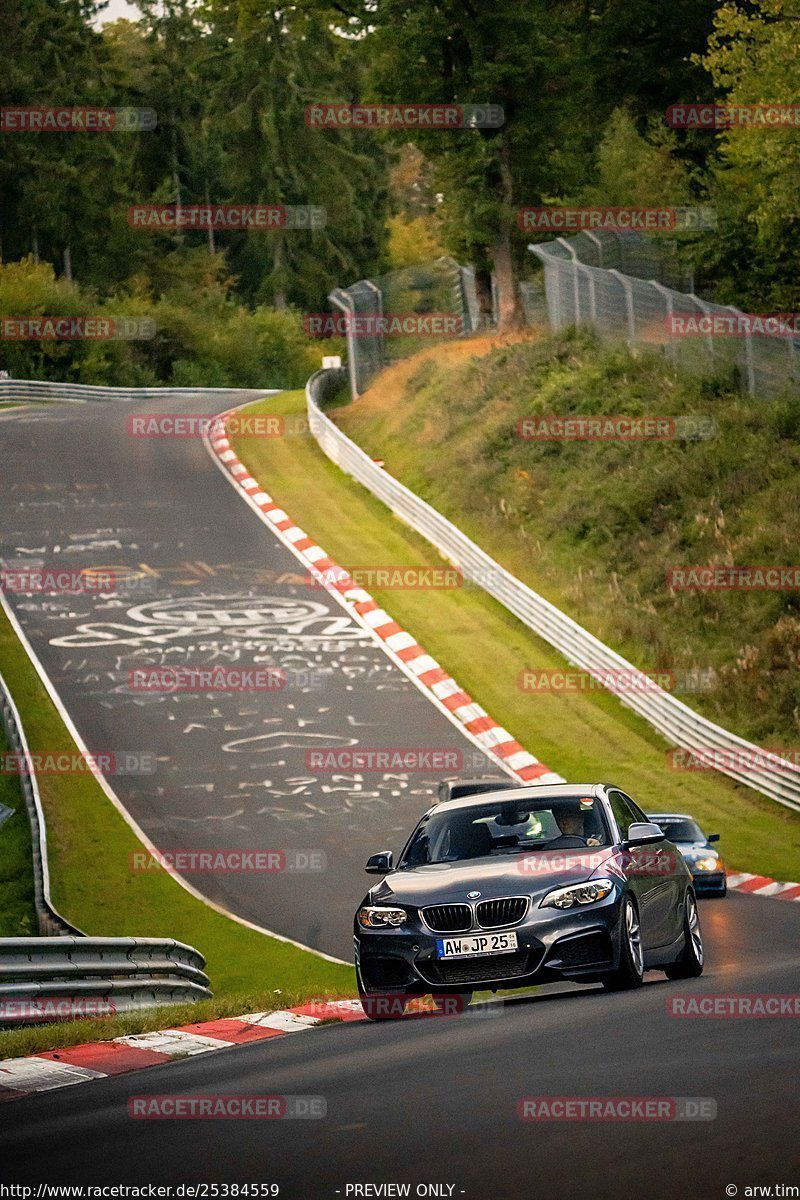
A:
393, 316
616, 283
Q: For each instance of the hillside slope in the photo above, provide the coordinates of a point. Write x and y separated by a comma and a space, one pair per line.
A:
595, 525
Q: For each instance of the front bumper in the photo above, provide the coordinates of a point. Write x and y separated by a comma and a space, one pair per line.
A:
708, 883
552, 945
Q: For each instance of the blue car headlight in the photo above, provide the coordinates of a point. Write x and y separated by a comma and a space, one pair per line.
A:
706, 862
578, 894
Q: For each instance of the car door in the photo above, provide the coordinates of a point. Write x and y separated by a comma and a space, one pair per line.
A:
644, 880
661, 864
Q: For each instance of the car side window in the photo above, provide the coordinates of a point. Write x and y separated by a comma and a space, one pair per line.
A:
632, 807
624, 811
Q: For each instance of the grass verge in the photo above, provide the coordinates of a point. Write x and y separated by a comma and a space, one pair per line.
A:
17, 909
583, 736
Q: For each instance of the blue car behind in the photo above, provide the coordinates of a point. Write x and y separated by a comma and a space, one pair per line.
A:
700, 856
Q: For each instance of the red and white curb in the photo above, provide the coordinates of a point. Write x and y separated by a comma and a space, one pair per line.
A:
762, 885
401, 646
96, 1060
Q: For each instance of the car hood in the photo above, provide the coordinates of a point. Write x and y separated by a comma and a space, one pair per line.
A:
697, 848
448, 883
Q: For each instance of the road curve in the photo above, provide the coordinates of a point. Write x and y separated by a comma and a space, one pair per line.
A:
206, 584
434, 1100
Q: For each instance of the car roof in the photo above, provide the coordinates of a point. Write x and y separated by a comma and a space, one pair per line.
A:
541, 791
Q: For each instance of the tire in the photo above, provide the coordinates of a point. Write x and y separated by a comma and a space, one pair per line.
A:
452, 1004
690, 963
630, 972
380, 1006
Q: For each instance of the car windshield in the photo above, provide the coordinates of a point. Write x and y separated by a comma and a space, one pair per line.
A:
681, 829
505, 827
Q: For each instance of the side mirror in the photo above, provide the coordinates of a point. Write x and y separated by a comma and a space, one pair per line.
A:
713, 837
379, 864
644, 833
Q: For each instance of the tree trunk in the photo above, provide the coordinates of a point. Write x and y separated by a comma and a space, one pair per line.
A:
279, 300
509, 309
68, 263
35, 244
212, 249
483, 291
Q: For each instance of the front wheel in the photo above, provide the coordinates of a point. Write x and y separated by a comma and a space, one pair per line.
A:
690, 963
630, 972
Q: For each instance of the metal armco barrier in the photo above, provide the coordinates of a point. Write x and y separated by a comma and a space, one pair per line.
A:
49, 918
741, 760
113, 975
27, 390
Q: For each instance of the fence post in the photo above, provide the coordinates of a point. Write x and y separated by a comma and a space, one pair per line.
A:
593, 237
628, 290
379, 335
667, 294
705, 308
344, 302
576, 297
749, 358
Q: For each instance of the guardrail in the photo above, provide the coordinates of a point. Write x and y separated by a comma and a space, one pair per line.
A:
741, 760
90, 974
25, 390
49, 918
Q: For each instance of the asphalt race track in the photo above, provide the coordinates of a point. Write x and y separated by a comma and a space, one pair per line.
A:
434, 1099
201, 582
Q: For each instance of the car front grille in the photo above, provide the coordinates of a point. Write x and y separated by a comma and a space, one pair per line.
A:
448, 918
479, 970
494, 913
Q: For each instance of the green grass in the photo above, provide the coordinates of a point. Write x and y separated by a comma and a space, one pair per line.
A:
17, 909
89, 846
584, 737
593, 526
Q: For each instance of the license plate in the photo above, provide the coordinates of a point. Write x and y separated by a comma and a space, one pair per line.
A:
474, 945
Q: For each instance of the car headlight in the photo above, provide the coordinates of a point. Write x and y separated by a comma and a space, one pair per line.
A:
379, 918
582, 893
708, 863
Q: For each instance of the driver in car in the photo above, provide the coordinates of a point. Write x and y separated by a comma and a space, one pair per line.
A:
571, 820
